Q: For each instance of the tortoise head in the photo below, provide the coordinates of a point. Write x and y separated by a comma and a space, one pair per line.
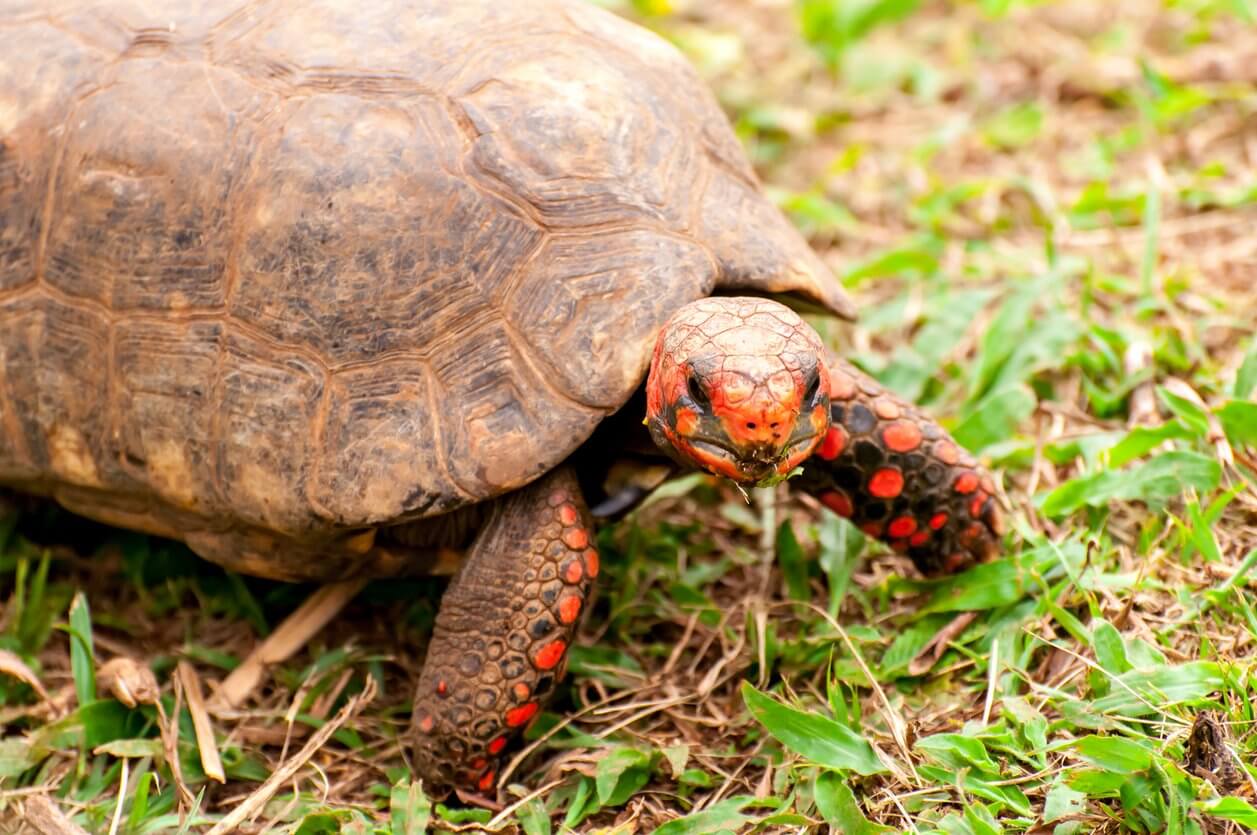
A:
738, 387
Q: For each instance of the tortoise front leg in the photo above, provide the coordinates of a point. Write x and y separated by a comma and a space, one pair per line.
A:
901, 478
503, 631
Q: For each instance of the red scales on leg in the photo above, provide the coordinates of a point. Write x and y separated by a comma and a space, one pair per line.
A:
502, 636
899, 477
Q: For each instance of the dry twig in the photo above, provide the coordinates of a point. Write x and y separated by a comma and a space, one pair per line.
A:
191, 684
255, 801
291, 635
40, 812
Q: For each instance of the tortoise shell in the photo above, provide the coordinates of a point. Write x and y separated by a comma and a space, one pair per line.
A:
308, 267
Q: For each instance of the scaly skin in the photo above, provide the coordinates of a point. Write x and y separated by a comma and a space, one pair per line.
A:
900, 477
744, 389
502, 636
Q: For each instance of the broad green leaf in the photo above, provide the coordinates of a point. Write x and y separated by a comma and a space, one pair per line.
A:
1231, 808
458, 816
1014, 126
838, 805
813, 736
671, 489
957, 751
338, 822
130, 748
583, 804
725, 816
97, 723
1031, 726
1062, 801
1068, 621
981, 821
1098, 204
1186, 411
919, 258
1114, 753
16, 756
621, 773
409, 809
815, 212
1095, 782
1044, 346
833, 26
1140, 692
1143, 655
995, 417
677, 756
769, 823
1239, 421
1144, 439
1200, 531
1156, 481
1003, 581
1110, 648
953, 823
990, 787
696, 777
533, 818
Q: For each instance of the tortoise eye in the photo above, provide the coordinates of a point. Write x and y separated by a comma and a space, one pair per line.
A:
813, 386
696, 391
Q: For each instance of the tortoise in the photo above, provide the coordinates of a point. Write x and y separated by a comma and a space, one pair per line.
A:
327, 289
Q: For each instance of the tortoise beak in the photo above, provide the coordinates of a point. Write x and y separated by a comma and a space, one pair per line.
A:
759, 461
766, 462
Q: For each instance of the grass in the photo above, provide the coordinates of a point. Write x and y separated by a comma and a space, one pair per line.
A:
1046, 210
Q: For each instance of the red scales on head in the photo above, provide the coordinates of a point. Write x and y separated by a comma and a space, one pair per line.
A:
738, 387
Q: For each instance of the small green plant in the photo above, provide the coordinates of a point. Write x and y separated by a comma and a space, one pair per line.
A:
833, 26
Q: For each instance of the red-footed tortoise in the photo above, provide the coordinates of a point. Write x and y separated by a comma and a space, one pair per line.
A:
323, 288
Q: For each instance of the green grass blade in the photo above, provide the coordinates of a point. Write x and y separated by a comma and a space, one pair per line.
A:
1155, 482
410, 810
1114, 753
817, 738
1246, 377
725, 816
82, 654
837, 803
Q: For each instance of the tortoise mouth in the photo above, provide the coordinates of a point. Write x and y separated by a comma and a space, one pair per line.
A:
754, 464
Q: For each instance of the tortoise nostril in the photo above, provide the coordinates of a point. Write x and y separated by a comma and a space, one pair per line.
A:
750, 425
774, 424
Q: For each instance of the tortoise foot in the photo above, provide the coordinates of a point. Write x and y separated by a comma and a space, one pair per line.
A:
902, 479
501, 639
